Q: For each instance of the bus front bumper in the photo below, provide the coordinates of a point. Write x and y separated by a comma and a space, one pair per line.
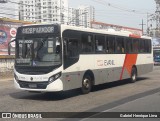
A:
55, 86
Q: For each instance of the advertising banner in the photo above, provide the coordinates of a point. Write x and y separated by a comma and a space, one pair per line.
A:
8, 30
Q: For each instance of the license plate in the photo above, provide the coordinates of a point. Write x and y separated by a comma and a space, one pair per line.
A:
33, 85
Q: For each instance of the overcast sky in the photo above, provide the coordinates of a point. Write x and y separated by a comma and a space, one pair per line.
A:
9, 10
119, 11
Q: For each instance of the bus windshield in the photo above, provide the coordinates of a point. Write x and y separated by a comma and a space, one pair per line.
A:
39, 52
157, 54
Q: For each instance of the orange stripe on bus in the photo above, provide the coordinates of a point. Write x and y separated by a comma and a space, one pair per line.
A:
129, 61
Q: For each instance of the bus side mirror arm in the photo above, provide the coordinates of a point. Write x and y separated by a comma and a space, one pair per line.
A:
9, 46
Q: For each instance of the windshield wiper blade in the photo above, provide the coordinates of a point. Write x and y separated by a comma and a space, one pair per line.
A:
42, 41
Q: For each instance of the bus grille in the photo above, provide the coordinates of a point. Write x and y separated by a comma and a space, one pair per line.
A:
33, 85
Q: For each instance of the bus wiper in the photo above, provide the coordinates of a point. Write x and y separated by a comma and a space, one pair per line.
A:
42, 43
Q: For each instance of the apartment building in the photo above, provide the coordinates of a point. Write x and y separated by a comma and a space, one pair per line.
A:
45, 11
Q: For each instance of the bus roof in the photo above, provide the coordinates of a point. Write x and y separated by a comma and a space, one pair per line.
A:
101, 31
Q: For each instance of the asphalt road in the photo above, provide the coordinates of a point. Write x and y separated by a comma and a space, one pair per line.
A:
120, 96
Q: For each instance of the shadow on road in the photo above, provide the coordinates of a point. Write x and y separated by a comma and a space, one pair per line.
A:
48, 96
54, 96
115, 84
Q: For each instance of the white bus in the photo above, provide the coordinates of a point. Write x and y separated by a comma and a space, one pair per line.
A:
56, 57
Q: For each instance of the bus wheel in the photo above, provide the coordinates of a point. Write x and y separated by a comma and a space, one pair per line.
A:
134, 75
86, 84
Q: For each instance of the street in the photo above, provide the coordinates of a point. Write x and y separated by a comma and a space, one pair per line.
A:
120, 96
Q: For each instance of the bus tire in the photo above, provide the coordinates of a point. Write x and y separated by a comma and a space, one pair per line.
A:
133, 75
86, 84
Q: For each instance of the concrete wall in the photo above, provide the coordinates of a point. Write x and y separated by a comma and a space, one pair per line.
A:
6, 67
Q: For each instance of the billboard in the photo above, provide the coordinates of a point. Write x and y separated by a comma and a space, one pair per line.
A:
8, 30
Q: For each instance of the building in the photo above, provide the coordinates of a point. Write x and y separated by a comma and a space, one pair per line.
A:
9, 9
56, 11
82, 16
86, 14
72, 16
47, 11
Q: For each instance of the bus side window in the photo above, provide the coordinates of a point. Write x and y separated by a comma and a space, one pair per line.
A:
71, 48
135, 45
128, 45
120, 45
87, 43
142, 46
148, 46
100, 43
110, 45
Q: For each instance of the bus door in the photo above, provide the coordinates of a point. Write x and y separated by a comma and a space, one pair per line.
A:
71, 67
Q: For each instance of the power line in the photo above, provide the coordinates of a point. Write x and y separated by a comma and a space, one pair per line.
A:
117, 7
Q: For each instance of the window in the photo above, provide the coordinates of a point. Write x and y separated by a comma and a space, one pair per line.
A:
147, 46
128, 45
120, 45
110, 44
142, 46
73, 48
100, 43
135, 45
87, 43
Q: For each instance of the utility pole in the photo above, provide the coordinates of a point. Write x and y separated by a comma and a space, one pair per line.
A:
142, 24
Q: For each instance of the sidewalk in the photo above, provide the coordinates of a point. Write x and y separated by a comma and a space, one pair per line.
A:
6, 76
6, 79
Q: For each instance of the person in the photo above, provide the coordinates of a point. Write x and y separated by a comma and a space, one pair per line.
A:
41, 52
118, 49
73, 49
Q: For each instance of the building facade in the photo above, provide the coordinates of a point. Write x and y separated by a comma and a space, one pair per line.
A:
72, 16
56, 11
86, 14
82, 16
47, 11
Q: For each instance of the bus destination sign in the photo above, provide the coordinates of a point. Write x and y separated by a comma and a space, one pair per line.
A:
38, 29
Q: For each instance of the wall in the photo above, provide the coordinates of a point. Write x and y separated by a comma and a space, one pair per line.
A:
6, 68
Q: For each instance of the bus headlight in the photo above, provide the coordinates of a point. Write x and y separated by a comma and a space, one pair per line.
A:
54, 77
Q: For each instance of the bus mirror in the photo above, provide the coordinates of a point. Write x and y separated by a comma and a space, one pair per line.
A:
9, 46
57, 45
57, 40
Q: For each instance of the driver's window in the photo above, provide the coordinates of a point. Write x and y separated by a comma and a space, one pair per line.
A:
71, 48
71, 52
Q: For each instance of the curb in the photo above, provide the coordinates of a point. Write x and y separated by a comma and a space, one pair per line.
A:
6, 79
